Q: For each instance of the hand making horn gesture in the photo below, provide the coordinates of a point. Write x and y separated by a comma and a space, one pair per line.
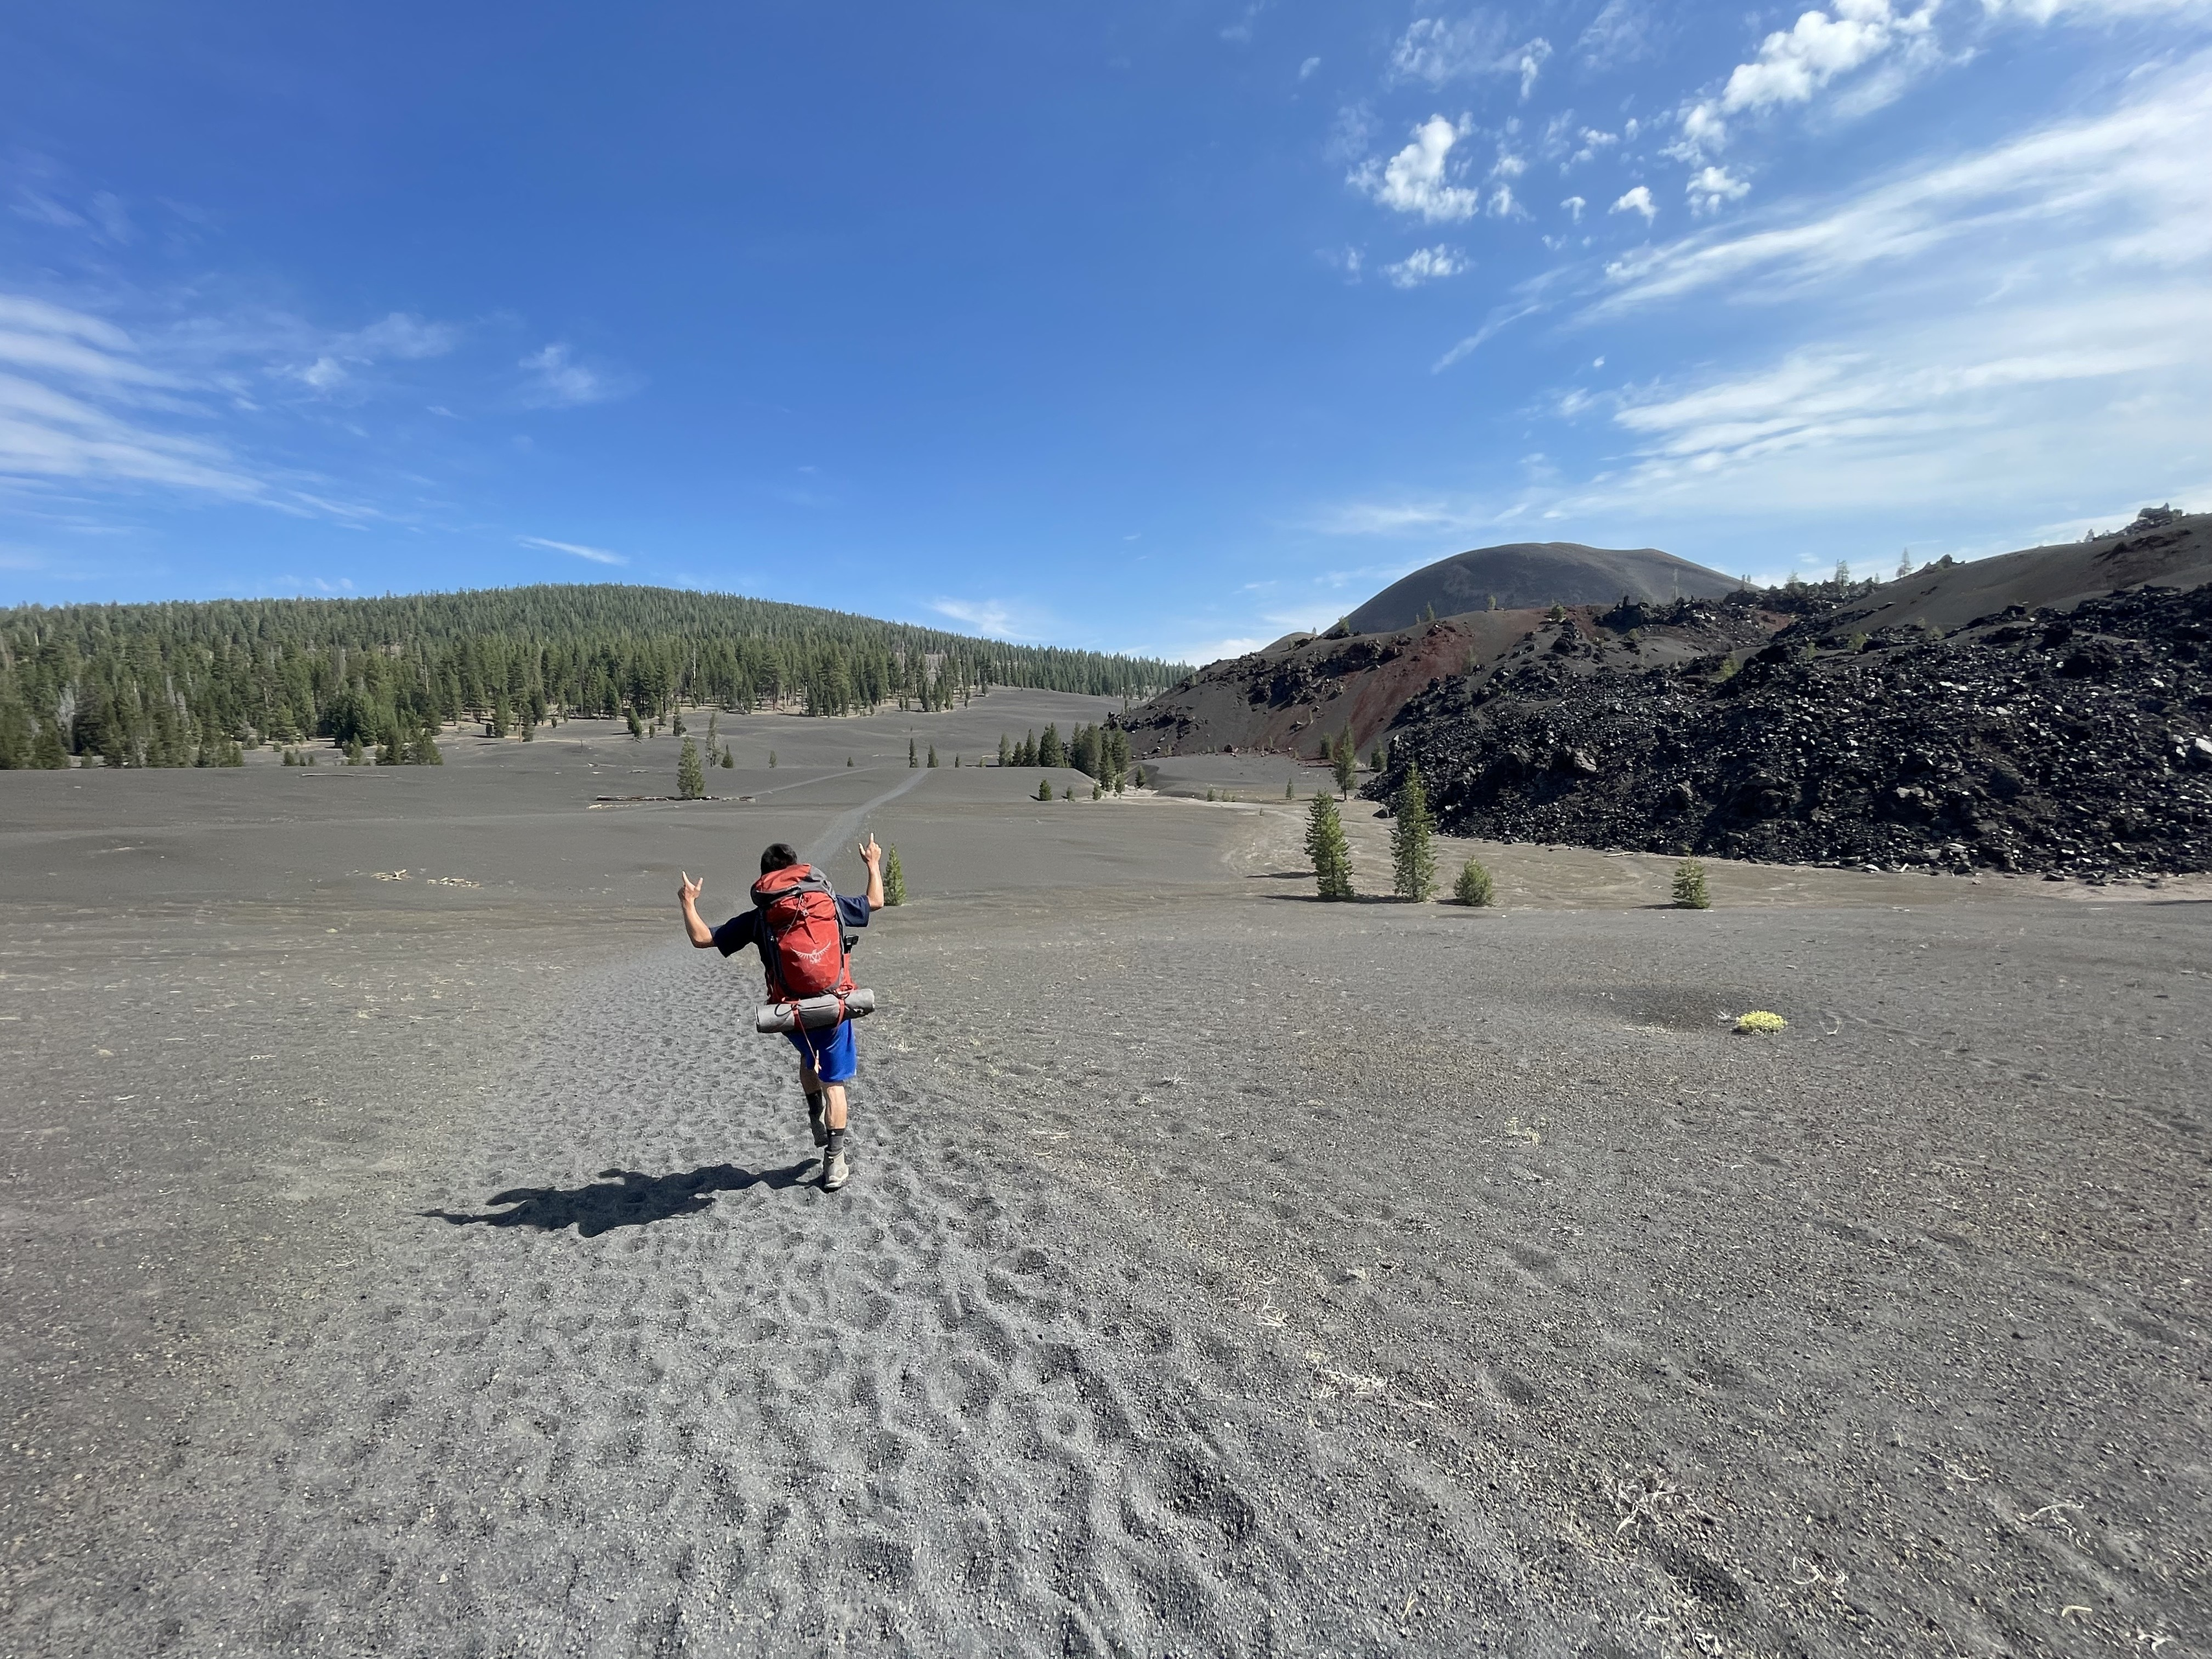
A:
689, 891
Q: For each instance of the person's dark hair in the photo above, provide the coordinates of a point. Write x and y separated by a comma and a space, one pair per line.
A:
778, 856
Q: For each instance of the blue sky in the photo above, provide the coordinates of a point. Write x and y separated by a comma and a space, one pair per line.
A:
1163, 327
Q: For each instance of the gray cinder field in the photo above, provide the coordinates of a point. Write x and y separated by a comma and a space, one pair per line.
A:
410, 1249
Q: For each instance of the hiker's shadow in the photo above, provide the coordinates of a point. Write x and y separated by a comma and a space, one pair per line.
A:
623, 1198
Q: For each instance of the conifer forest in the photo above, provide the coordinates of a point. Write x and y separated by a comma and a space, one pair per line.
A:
192, 684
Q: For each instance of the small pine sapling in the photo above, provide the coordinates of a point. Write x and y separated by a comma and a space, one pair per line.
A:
1045, 789
933, 754
1068, 793
1326, 846
894, 878
911, 758
1345, 761
771, 760
1290, 790
1413, 859
691, 779
1472, 889
1690, 886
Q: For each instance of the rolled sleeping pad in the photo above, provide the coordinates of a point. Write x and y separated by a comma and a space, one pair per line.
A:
813, 1013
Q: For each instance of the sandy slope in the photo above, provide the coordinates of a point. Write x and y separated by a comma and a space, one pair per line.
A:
1223, 1272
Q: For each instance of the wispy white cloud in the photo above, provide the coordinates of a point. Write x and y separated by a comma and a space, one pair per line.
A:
1437, 51
1418, 179
2039, 402
337, 359
993, 618
2129, 185
1425, 264
1501, 317
596, 554
73, 409
1620, 33
554, 380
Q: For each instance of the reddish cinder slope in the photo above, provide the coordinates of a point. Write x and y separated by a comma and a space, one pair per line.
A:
1297, 695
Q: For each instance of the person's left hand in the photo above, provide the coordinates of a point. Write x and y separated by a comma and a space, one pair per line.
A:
871, 854
689, 891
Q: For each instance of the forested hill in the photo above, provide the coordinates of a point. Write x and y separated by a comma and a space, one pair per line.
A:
169, 684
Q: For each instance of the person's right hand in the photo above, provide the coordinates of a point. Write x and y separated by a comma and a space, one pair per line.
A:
689, 891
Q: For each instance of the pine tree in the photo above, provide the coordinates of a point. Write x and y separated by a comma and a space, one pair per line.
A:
848, 762
1005, 752
47, 754
690, 779
912, 759
1412, 860
1690, 886
1290, 790
894, 878
1045, 789
1474, 886
933, 754
636, 727
955, 760
1345, 761
425, 750
729, 760
1380, 760
1050, 750
771, 760
354, 752
1326, 847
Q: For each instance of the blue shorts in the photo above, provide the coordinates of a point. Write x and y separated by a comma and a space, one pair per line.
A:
830, 1053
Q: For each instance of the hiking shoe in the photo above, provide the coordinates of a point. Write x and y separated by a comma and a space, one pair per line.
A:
834, 1171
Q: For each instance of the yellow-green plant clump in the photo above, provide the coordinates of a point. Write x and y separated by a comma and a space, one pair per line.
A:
1760, 1020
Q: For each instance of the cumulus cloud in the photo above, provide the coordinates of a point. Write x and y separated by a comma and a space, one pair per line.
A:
1426, 265
1574, 205
1593, 141
1712, 187
1795, 62
576, 550
1418, 179
1637, 200
1438, 53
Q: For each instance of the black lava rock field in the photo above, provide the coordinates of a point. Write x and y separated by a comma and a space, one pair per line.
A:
2076, 743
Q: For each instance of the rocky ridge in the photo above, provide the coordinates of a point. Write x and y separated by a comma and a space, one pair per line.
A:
2075, 743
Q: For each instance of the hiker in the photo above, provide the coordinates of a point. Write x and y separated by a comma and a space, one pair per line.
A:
827, 1059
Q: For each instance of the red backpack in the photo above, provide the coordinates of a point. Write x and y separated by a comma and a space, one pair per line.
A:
804, 948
